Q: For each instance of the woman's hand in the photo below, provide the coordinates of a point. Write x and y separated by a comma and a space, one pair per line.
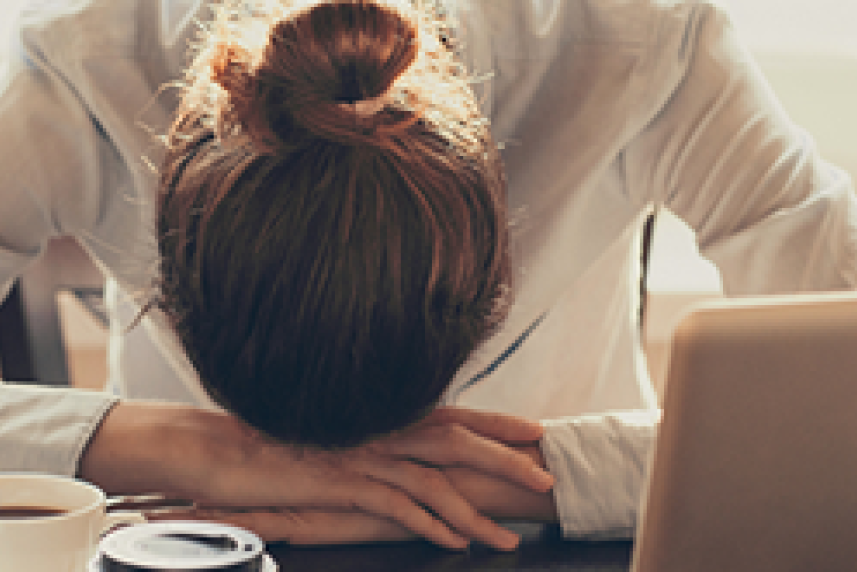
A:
299, 495
502, 499
490, 495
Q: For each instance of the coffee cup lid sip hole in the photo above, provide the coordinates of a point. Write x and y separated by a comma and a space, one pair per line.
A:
192, 546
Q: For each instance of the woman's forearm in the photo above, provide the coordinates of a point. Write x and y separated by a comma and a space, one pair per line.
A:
234, 474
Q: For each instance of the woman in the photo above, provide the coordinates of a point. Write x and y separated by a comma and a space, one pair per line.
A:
391, 488
333, 220
601, 108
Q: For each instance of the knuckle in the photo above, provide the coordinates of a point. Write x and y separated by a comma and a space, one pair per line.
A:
431, 480
354, 498
366, 494
336, 491
457, 439
442, 414
450, 432
397, 507
404, 509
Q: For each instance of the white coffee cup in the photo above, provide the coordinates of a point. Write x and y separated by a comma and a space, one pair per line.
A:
61, 543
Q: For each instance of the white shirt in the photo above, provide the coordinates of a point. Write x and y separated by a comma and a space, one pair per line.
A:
603, 107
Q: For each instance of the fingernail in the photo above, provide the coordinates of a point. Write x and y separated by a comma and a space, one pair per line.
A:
460, 543
508, 540
544, 479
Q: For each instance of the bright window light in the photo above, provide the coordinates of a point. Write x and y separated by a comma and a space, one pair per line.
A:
808, 51
822, 25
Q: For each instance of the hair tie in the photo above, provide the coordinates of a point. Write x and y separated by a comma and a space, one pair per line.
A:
367, 107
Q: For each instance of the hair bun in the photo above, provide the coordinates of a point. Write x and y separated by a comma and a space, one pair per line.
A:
316, 61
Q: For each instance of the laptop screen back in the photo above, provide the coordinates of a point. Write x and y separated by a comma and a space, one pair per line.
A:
756, 462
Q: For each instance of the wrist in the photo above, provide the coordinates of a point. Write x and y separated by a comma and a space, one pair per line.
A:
134, 447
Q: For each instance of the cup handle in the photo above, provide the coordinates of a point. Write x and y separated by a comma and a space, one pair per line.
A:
118, 518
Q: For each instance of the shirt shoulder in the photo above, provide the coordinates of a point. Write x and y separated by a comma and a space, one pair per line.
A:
628, 22
72, 30
624, 56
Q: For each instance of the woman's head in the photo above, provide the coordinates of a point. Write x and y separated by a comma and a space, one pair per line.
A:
328, 264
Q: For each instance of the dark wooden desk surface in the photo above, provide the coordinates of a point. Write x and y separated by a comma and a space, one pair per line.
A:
541, 549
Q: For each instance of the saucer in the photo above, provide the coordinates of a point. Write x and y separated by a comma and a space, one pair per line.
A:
268, 565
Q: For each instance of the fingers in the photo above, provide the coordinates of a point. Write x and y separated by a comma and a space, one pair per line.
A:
385, 500
450, 445
340, 481
340, 484
500, 499
301, 526
252, 472
431, 488
497, 426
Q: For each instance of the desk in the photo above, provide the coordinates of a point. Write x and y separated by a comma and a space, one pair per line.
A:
542, 549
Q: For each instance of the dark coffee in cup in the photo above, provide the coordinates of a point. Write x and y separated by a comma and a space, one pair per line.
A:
30, 511
51, 523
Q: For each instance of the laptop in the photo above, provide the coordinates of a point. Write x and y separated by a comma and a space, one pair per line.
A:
755, 468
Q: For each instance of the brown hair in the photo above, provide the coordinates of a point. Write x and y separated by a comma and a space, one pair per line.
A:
328, 269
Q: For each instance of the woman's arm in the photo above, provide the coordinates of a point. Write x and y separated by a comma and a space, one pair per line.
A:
284, 493
599, 463
494, 497
723, 155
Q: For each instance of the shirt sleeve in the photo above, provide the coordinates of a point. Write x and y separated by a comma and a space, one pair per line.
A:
600, 464
47, 429
52, 151
722, 154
